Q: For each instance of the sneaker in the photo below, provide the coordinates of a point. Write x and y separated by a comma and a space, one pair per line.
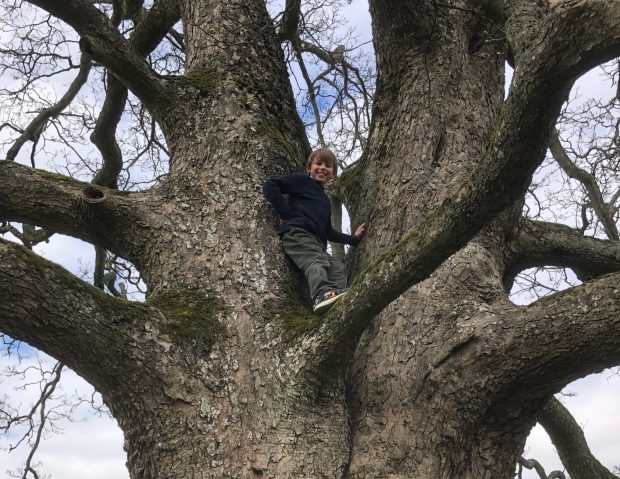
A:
324, 301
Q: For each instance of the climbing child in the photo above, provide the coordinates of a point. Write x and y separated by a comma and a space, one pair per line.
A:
305, 226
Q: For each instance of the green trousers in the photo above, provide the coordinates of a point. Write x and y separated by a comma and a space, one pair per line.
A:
322, 271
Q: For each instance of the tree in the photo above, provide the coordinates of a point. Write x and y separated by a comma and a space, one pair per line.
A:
425, 369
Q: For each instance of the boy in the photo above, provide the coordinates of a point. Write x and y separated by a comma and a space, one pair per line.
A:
305, 226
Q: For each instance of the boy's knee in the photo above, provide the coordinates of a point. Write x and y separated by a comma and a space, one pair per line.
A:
320, 264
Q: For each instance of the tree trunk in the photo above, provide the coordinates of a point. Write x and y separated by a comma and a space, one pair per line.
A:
407, 366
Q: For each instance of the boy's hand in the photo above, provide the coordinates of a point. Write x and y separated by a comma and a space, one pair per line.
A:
359, 232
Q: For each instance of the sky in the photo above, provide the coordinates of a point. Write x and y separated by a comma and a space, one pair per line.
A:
92, 445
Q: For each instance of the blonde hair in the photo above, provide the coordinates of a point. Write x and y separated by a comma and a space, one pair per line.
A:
326, 156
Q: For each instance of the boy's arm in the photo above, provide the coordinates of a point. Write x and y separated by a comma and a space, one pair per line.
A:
275, 188
338, 237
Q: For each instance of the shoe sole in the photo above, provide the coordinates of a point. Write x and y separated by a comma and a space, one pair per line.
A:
323, 306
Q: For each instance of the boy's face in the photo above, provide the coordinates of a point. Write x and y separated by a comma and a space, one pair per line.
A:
320, 171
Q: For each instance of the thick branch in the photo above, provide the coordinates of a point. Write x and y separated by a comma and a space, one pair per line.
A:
494, 9
107, 46
601, 209
556, 340
290, 20
155, 26
549, 244
573, 40
99, 271
570, 442
43, 304
522, 24
63, 205
104, 134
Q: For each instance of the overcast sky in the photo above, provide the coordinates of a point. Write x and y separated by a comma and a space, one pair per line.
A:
92, 447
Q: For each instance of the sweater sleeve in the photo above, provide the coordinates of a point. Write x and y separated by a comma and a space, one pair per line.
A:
274, 190
338, 237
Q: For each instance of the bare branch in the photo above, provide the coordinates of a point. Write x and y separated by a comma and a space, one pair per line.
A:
548, 244
335, 91
100, 38
311, 94
36, 126
602, 210
329, 58
536, 283
29, 234
534, 464
100, 267
570, 442
40, 405
155, 25
105, 274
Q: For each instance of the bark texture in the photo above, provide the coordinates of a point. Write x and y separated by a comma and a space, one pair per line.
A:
425, 370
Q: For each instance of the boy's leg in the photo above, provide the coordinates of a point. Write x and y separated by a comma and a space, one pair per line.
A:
337, 273
308, 254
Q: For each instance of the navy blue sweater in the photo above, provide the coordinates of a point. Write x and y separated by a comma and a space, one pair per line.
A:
308, 207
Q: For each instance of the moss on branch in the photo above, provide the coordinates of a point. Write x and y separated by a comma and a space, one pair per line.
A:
67, 180
272, 132
192, 315
292, 316
118, 308
205, 80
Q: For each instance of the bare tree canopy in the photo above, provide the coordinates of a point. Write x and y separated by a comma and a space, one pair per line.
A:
425, 369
